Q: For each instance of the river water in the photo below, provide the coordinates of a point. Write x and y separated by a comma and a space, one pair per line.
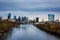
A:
28, 32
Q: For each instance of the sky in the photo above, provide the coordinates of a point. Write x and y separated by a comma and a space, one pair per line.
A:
34, 8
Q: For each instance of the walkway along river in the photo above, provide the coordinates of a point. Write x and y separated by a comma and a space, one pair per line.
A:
28, 32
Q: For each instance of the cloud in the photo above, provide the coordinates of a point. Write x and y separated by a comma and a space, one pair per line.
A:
30, 5
30, 0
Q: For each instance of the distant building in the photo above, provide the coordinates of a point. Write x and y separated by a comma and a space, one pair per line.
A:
19, 18
9, 16
50, 17
22, 18
37, 19
57, 20
0, 18
15, 18
42, 20
25, 18
34, 21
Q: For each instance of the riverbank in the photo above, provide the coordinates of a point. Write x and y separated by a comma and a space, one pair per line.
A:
50, 28
6, 25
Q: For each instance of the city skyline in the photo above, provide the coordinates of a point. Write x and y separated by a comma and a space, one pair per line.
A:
34, 8
31, 16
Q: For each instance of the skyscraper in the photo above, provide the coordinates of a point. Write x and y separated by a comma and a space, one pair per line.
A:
14, 17
9, 16
37, 19
19, 18
22, 18
50, 17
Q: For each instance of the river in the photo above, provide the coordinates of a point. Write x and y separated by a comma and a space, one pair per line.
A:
28, 32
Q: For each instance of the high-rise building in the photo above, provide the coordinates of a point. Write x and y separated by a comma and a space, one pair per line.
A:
37, 19
19, 18
9, 16
14, 17
50, 17
22, 18
25, 18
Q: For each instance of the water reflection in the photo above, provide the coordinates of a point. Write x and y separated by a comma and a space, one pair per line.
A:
6, 35
21, 27
28, 32
18, 27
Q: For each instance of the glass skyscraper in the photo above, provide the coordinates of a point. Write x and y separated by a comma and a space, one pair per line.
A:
50, 17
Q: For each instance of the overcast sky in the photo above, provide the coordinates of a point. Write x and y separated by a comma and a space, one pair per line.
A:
30, 7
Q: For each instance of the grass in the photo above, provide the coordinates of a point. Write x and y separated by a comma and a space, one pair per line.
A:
6, 25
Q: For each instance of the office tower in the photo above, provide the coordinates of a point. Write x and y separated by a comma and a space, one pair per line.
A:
9, 16
22, 18
50, 17
14, 17
25, 18
37, 19
19, 18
